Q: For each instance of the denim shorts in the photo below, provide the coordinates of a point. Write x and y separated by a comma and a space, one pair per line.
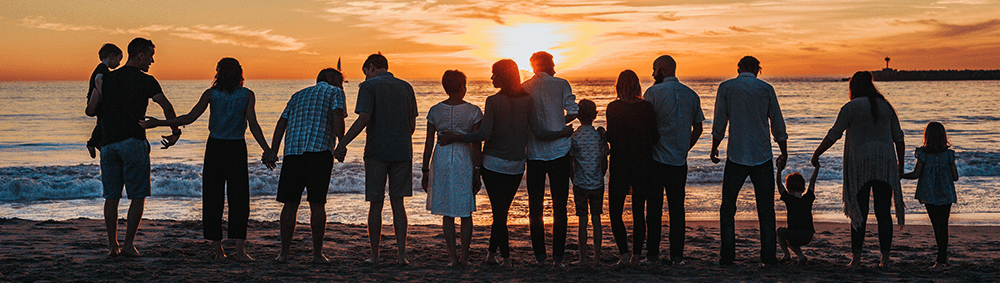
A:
125, 163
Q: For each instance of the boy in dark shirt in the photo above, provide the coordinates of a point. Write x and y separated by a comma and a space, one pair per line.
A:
798, 204
111, 57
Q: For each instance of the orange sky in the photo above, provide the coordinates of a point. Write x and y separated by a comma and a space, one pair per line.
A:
58, 40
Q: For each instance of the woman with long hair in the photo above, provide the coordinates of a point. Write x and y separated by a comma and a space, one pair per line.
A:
632, 133
505, 128
225, 169
873, 151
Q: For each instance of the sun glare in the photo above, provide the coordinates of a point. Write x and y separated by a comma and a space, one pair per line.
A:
520, 41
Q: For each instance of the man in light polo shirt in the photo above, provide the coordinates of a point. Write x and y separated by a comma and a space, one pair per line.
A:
678, 118
311, 123
555, 106
751, 106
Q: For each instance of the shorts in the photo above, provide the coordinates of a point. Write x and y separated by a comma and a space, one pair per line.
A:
399, 174
796, 237
125, 163
309, 171
586, 197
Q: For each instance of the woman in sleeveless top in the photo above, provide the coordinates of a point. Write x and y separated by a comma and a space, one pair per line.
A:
225, 168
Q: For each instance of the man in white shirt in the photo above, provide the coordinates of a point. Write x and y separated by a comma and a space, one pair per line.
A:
554, 107
679, 120
751, 106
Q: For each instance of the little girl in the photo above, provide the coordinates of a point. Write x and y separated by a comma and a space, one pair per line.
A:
451, 180
936, 173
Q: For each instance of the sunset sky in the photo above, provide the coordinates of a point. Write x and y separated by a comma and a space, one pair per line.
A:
58, 40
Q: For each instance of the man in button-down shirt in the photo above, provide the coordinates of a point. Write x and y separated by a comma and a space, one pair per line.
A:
552, 97
311, 123
678, 118
751, 106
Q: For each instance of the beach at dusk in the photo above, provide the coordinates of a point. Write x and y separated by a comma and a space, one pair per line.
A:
52, 195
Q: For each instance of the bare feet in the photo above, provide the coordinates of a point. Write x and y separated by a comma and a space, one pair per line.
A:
244, 258
114, 252
220, 254
785, 258
130, 251
491, 259
855, 261
402, 261
282, 258
625, 259
372, 261
93, 151
635, 259
320, 259
803, 261
885, 262
507, 262
939, 266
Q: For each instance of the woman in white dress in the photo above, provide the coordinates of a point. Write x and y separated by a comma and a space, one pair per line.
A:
451, 181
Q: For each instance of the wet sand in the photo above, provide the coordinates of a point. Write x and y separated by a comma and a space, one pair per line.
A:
75, 250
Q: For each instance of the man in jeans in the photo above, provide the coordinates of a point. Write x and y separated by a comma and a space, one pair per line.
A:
678, 118
751, 106
555, 106
387, 107
121, 104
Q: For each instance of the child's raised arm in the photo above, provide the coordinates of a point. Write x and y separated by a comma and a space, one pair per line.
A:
812, 179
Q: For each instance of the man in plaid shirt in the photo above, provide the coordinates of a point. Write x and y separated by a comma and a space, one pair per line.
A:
311, 121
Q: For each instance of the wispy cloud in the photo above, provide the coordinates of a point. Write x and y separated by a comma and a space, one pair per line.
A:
218, 34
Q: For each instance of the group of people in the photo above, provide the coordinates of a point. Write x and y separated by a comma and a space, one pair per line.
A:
523, 128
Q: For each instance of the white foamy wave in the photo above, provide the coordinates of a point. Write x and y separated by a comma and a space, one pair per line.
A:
24, 184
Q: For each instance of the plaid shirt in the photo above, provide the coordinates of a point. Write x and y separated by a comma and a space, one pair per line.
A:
309, 113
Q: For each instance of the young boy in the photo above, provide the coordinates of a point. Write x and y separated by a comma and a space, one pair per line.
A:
589, 149
798, 204
111, 57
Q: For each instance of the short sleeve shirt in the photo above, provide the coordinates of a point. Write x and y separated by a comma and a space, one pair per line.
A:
392, 105
590, 158
309, 113
799, 210
125, 94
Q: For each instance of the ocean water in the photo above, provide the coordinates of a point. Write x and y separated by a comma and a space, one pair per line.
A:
46, 173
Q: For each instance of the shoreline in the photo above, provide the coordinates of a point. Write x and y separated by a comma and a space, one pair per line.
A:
175, 251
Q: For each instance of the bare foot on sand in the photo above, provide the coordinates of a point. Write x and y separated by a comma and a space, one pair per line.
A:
220, 254
785, 258
803, 261
635, 260
130, 251
402, 261
372, 261
282, 258
507, 262
320, 259
855, 261
491, 259
244, 258
115, 252
625, 259
885, 262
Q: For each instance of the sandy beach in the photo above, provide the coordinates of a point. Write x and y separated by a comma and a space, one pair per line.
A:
174, 251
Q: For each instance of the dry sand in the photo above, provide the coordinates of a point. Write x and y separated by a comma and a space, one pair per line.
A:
174, 251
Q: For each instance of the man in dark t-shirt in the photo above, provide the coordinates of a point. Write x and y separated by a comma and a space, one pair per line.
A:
111, 57
120, 105
387, 107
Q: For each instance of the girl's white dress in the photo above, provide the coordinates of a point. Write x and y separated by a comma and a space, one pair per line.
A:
450, 190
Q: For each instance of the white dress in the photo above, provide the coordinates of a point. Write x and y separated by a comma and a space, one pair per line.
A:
450, 190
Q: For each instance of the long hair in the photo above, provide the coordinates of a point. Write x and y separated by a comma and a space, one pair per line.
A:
861, 85
935, 138
228, 76
628, 86
508, 75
